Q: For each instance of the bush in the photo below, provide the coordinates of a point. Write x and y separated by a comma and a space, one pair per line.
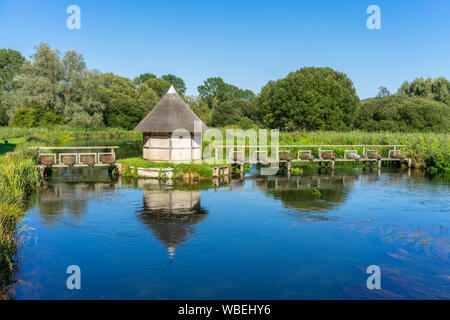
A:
402, 113
33, 117
311, 98
24, 117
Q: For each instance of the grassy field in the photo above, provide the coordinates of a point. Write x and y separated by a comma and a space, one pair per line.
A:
64, 136
19, 180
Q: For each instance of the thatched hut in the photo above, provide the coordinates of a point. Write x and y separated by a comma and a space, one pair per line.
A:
172, 131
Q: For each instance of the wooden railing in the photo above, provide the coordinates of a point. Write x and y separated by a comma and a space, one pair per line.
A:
77, 159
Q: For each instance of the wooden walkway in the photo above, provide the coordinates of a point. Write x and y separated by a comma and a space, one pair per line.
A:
324, 156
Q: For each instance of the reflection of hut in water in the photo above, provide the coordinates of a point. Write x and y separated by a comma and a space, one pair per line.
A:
172, 215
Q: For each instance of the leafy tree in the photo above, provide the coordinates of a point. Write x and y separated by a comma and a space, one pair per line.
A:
437, 89
121, 99
229, 112
159, 86
310, 98
215, 91
39, 83
143, 77
178, 83
62, 86
402, 113
82, 107
10, 63
383, 92
200, 108
147, 96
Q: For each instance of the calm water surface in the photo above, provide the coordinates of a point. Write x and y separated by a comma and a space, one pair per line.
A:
310, 237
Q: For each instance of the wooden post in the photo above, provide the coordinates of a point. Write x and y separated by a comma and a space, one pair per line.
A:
379, 164
332, 165
113, 153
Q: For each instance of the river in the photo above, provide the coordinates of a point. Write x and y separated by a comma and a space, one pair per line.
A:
307, 237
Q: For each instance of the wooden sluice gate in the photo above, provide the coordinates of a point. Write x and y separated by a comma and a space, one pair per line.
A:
325, 156
76, 157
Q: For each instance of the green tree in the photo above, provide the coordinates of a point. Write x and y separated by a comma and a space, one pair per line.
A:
62, 86
230, 112
159, 86
310, 98
178, 83
143, 77
10, 63
437, 89
200, 108
121, 99
39, 83
82, 107
383, 92
402, 113
215, 91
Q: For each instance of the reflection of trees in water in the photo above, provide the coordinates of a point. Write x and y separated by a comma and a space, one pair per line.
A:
172, 215
60, 198
313, 193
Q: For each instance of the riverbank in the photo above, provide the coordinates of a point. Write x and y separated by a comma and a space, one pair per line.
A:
138, 167
19, 180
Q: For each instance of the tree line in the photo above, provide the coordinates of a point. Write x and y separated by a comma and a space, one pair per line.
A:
54, 89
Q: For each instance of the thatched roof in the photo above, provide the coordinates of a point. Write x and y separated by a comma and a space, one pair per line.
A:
169, 114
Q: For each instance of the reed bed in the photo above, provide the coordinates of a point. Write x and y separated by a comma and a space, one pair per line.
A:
429, 151
19, 180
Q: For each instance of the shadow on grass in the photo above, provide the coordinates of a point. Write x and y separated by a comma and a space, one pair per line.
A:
4, 148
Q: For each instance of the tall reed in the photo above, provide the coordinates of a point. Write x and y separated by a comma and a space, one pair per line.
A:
19, 179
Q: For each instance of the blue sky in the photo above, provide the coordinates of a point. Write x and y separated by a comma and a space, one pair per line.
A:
247, 43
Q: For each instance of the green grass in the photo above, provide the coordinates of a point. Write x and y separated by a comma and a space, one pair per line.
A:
66, 136
430, 151
180, 170
19, 180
